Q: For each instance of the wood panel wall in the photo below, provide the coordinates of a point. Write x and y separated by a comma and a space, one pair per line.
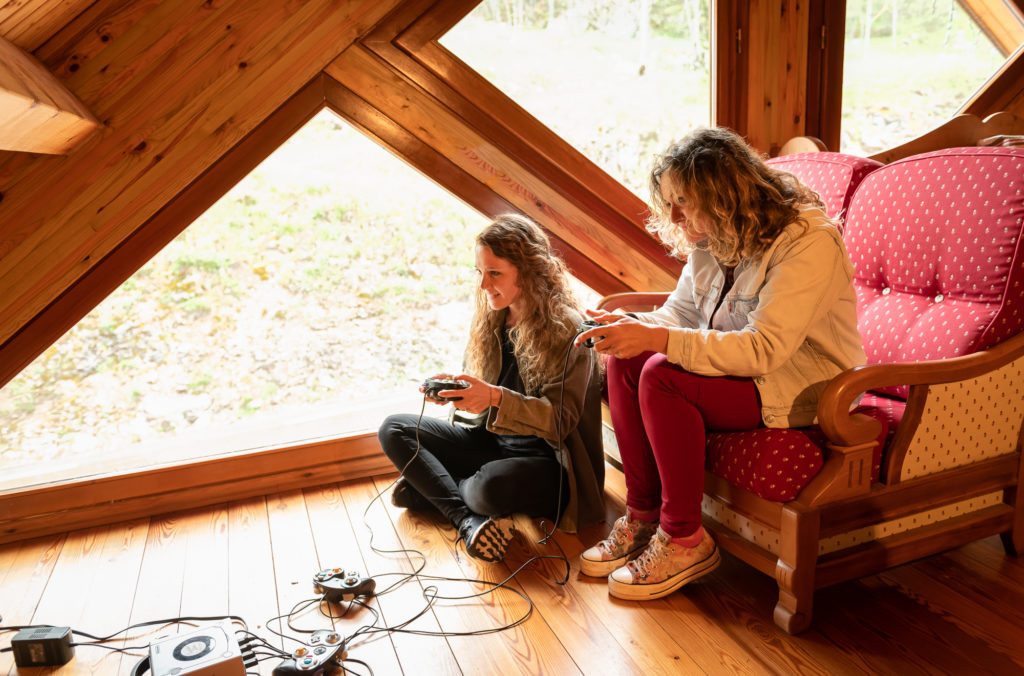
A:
778, 69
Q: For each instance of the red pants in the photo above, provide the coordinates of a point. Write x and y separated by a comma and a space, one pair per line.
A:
661, 413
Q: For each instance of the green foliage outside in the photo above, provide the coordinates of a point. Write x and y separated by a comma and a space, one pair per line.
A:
915, 68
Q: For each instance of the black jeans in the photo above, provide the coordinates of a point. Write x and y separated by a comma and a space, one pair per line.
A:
465, 471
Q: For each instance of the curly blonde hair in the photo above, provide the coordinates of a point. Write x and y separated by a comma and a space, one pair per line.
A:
550, 312
745, 202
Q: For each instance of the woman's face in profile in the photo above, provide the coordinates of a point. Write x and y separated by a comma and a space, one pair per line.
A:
499, 279
682, 212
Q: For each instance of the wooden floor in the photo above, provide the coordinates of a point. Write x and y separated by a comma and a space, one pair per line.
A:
956, 613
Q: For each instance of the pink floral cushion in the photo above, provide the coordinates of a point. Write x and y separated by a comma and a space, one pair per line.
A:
936, 243
776, 464
834, 176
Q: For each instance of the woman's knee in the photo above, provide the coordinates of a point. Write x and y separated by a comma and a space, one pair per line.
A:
393, 435
626, 372
661, 375
487, 494
526, 488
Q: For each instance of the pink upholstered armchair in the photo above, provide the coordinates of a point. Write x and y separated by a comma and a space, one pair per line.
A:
931, 458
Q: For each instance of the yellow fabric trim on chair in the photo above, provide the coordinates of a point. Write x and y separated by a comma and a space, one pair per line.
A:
989, 411
886, 528
751, 531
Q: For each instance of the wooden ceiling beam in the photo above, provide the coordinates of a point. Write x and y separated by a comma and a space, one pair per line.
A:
588, 209
37, 113
1001, 21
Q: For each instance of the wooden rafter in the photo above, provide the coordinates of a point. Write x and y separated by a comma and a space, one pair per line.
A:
37, 113
1001, 20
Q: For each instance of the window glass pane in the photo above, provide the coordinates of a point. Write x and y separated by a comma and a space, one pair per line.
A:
909, 66
311, 300
316, 290
617, 79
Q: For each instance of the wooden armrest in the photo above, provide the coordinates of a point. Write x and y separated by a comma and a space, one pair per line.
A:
640, 301
833, 409
1005, 140
963, 130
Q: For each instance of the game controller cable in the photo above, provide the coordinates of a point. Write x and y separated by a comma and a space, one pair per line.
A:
430, 591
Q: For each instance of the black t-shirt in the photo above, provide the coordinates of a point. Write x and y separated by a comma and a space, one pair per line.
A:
509, 378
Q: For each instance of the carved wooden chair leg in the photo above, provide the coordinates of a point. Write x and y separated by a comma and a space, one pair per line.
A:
794, 572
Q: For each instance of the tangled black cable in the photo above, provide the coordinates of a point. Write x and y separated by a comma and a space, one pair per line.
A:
431, 592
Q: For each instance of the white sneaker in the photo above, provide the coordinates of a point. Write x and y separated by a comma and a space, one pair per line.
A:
626, 540
663, 568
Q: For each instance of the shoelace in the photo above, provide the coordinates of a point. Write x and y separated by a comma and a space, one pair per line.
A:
620, 536
644, 564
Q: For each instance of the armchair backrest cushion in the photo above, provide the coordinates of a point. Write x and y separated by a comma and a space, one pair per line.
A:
936, 244
834, 176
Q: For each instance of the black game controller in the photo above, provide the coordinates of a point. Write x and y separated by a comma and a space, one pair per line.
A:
586, 325
317, 658
434, 385
337, 584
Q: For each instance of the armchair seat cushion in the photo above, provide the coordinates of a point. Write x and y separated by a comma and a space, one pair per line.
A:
776, 464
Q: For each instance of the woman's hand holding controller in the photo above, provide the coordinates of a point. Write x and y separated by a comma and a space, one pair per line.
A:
623, 336
478, 397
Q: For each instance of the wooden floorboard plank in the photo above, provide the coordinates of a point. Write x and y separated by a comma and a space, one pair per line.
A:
532, 646
296, 562
92, 589
737, 601
658, 648
251, 586
338, 510
25, 570
886, 632
205, 589
527, 648
989, 558
160, 581
964, 612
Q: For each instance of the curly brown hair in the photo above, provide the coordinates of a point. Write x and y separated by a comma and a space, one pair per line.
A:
550, 312
746, 202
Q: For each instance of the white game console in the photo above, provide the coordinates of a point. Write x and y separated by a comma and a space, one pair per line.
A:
206, 651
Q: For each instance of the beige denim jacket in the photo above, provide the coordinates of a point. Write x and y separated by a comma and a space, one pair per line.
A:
573, 407
789, 321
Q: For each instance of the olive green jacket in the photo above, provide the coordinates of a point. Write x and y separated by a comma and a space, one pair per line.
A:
570, 408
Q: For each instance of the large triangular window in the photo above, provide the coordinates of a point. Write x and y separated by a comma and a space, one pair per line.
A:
310, 300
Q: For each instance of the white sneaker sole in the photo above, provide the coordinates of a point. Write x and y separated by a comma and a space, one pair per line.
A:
649, 592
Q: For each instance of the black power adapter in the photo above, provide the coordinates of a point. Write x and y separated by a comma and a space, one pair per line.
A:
43, 646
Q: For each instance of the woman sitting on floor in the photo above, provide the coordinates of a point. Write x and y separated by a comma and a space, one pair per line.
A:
525, 436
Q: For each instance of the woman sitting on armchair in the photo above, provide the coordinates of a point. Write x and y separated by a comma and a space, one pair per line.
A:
763, 316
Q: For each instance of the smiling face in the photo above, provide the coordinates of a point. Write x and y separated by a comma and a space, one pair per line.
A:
682, 212
499, 280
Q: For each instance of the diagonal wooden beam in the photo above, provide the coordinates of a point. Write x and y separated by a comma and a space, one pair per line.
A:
1000, 20
548, 179
37, 113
